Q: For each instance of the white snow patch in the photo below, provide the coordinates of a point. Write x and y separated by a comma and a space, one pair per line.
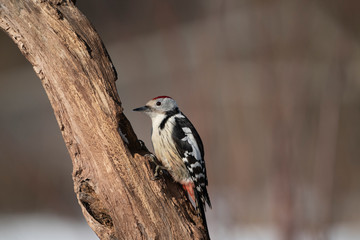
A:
43, 227
47, 226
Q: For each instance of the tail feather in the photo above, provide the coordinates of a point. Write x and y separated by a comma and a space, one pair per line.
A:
200, 205
200, 199
206, 198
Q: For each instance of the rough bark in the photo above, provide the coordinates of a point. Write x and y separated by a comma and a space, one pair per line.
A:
112, 176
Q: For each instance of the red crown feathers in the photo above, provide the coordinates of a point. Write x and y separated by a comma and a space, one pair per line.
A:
161, 97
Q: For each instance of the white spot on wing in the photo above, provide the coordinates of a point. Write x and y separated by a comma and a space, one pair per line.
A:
179, 115
186, 130
200, 175
189, 137
194, 165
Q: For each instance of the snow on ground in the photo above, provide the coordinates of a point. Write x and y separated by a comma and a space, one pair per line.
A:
43, 227
46, 226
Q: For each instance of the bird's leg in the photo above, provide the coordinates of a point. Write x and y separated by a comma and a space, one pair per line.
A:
158, 167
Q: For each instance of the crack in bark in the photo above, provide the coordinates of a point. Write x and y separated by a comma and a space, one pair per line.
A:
59, 14
87, 47
93, 205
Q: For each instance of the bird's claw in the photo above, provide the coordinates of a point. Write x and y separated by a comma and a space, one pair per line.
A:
158, 171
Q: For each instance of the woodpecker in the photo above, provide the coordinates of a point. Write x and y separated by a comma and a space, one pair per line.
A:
179, 148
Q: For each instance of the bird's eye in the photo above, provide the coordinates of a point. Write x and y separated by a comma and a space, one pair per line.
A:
158, 103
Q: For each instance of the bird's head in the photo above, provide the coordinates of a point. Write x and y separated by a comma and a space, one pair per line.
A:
158, 105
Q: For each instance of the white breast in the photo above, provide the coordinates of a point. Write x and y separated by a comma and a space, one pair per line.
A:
165, 149
161, 139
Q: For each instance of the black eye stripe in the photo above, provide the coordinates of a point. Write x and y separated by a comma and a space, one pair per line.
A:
158, 103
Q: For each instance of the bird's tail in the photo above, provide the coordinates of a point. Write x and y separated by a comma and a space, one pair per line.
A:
200, 203
200, 206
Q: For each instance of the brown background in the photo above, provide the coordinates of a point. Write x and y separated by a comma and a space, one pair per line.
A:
272, 86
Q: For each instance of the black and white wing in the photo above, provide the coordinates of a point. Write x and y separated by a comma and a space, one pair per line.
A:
190, 147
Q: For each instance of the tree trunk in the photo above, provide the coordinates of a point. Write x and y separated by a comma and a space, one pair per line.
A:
112, 175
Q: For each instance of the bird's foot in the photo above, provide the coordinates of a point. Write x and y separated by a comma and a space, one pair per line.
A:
158, 171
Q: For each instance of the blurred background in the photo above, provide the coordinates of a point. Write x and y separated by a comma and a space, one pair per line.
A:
273, 87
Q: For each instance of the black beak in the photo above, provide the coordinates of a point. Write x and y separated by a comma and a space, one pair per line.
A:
142, 109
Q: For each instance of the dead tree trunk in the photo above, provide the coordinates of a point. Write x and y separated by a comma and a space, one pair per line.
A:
111, 175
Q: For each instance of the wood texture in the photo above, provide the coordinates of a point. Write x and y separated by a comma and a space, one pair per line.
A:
112, 177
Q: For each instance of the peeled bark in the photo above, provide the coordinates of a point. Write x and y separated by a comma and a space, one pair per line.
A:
112, 175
